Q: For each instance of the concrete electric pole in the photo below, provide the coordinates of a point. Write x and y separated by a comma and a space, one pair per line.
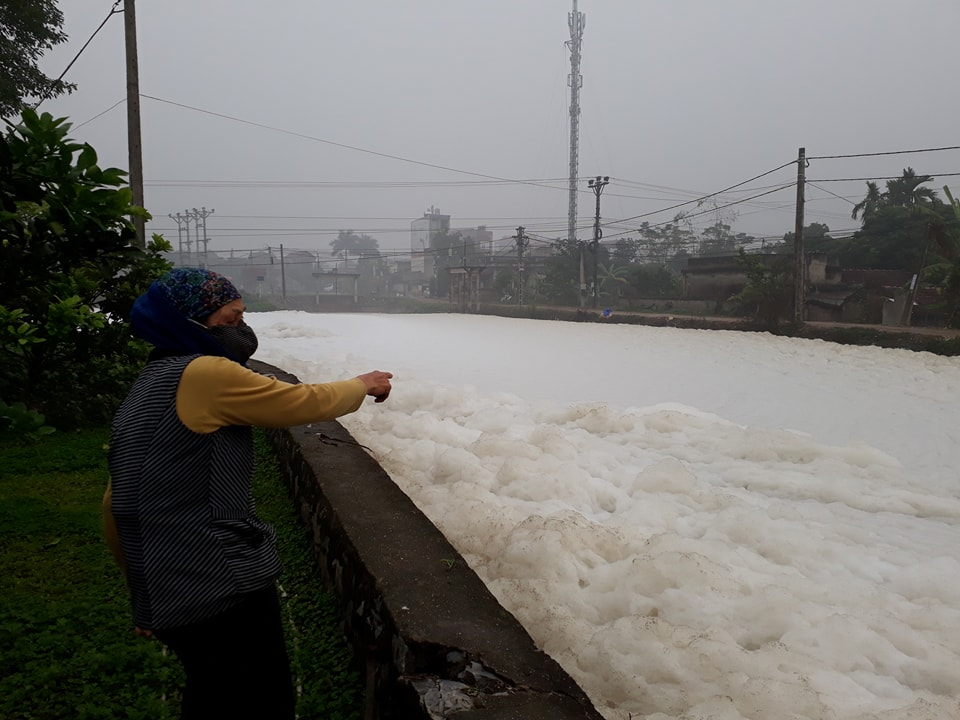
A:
800, 268
180, 220
134, 152
200, 217
596, 184
521, 246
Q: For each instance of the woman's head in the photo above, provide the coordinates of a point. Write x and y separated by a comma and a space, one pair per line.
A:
201, 294
194, 311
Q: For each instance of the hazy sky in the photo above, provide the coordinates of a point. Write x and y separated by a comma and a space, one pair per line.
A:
435, 99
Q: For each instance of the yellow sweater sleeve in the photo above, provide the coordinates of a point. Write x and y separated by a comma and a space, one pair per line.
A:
215, 392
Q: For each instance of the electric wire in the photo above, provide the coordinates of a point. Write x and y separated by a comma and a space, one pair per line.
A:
496, 180
110, 14
884, 177
340, 145
366, 184
713, 194
710, 210
101, 114
877, 154
839, 197
350, 217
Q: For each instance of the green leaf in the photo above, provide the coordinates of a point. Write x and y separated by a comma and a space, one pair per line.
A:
88, 158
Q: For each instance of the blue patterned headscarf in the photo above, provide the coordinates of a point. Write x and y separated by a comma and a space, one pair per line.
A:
170, 314
197, 293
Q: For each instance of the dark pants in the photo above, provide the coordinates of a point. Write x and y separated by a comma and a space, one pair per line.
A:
236, 662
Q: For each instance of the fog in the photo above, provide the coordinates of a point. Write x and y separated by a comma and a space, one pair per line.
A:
695, 524
295, 120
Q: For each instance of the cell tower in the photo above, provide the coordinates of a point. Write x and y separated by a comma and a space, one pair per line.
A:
577, 21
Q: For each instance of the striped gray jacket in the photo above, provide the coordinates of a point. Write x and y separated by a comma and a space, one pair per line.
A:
183, 507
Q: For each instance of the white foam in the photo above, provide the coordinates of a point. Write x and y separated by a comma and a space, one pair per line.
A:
695, 524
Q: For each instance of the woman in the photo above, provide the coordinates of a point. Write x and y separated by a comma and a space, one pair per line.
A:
200, 565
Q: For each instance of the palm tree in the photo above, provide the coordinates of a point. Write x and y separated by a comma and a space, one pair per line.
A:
868, 206
954, 202
947, 241
904, 191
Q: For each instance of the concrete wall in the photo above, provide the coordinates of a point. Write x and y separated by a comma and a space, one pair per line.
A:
431, 639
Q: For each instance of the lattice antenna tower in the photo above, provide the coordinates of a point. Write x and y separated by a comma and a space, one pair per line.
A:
577, 22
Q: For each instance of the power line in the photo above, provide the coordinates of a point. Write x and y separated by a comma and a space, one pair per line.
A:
339, 183
886, 177
118, 102
839, 197
495, 180
110, 14
354, 217
340, 145
714, 209
713, 194
891, 152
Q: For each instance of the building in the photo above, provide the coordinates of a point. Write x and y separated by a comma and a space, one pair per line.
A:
423, 229
478, 241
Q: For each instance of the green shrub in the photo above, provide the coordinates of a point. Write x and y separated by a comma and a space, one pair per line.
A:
18, 420
70, 269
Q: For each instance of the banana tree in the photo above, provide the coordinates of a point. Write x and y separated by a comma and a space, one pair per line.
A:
610, 275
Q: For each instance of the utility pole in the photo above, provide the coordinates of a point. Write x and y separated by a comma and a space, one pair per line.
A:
186, 226
180, 220
522, 243
134, 153
800, 269
200, 216
577, 22
283, 277
596, 184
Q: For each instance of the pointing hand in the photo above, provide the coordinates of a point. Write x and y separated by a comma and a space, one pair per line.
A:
378, 384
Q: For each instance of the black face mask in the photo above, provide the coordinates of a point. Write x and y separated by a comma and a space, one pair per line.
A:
240, 341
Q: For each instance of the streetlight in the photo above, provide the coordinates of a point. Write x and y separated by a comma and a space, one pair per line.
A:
596, 184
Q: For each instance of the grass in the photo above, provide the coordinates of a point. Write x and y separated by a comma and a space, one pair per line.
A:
67, 647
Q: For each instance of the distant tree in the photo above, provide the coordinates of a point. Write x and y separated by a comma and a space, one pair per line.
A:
27, 29
612, 277
668, 241
870, 203
561, 280
626, 250
954, 203
652, 281
906, 190
895, 224
946, 277
816, 238
348, 242
719, 239
943, 272
767, 293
